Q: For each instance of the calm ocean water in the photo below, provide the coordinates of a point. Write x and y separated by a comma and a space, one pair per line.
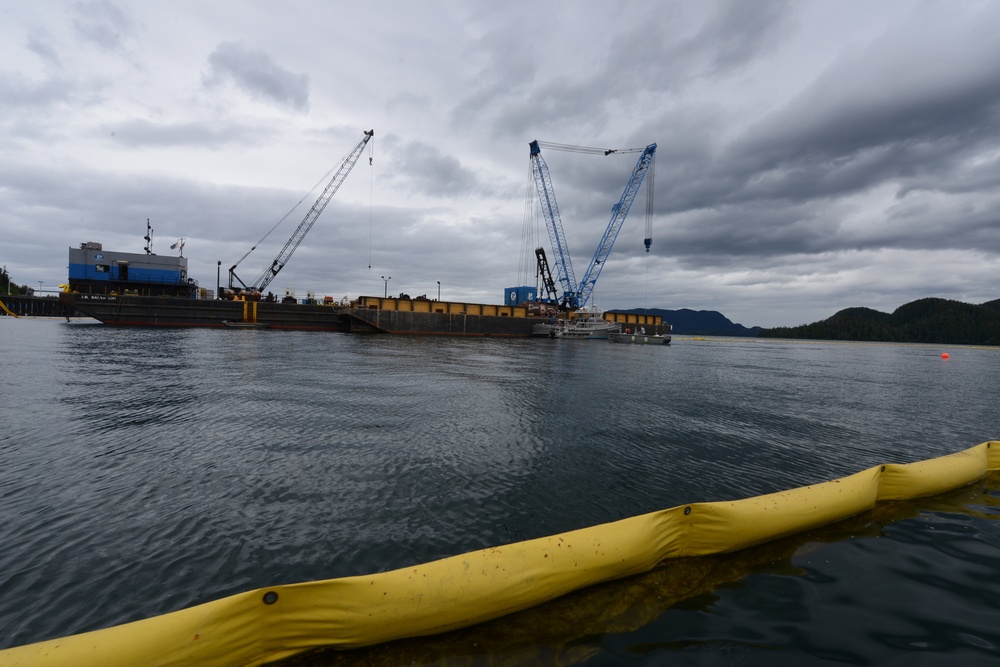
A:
143, 471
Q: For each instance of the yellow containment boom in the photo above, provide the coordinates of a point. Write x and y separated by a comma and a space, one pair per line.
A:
273, 623
6, 310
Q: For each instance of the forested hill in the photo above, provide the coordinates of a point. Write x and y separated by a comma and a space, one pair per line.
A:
698, 322
921, 321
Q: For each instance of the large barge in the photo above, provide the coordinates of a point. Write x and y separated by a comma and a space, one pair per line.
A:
365, 315
148, 290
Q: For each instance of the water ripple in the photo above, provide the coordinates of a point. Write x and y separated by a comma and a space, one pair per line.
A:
143, 471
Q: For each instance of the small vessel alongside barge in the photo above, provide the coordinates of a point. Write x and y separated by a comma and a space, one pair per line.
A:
588, 324
640, 338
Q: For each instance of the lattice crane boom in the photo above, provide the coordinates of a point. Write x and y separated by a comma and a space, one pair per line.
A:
618, 213
265, 278
550, 210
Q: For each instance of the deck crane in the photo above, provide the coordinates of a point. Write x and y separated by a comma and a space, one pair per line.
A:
576, 295
265, 278
553, 222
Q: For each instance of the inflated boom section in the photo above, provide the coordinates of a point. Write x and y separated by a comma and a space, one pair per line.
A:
273, 623
6, 310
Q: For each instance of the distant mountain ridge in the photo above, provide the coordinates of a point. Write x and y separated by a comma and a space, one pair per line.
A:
697, 322
929, 320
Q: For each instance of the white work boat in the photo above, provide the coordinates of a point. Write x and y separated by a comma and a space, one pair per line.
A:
589, 324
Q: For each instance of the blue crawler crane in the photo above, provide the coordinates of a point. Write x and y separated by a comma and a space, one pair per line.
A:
575, 295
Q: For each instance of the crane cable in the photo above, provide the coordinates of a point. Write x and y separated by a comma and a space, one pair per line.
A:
371, 199
650, 188
650, 183
322, 180
285, 216
528, 235
588, 150
569, 148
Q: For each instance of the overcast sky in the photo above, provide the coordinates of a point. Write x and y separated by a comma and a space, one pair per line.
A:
812, 156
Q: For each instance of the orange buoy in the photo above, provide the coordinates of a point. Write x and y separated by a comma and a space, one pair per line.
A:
945, 355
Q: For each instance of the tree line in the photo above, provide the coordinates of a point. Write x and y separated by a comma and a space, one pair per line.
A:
7, 287
929, 320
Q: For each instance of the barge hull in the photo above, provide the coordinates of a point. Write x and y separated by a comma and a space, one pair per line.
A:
179, 312
165, 311
365, 320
